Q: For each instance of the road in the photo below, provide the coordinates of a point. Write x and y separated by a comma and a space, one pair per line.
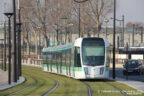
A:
131, 76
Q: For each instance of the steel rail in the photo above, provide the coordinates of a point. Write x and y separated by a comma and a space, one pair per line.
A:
52, 89
89, 89
28, 86
120, 90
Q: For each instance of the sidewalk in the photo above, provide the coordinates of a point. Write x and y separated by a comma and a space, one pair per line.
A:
3, 76
4, 81
134, 84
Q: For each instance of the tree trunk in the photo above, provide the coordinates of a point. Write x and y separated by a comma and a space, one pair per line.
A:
46, 41
28, 48
57, 41
36, 49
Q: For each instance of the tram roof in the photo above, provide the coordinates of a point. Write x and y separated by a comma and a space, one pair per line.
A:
58, 48
67, 46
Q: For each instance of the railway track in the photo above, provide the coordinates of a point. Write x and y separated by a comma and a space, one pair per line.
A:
52, 89
121, 91
89, 89
34, 84
28, 86
89, 84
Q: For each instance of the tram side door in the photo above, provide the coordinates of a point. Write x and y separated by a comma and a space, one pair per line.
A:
77, 60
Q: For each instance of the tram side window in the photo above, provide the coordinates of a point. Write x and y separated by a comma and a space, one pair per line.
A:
44, 57
77, 57
107, 57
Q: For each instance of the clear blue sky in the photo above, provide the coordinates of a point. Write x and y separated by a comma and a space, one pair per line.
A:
132, 9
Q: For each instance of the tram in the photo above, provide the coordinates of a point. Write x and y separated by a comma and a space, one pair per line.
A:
86, 58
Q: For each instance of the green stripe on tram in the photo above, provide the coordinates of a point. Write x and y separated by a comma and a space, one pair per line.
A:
77, 69
58, 49
45, 65
63, 67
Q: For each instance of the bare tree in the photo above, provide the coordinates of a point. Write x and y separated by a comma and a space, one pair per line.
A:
49, 13
26, 28
39, 17
26, 36
60, 9
137, 24
129, 25
99, 9
93, 13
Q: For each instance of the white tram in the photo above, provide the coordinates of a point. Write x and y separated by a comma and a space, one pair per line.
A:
86, 58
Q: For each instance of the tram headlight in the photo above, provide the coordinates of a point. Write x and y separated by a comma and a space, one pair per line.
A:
86, 70
101, 70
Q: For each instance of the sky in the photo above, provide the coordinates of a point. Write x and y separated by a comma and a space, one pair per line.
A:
131, 9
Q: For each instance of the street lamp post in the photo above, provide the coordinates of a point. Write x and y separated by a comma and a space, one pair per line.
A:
19, 40
79, 20
9, 42
19, 49
133, 35
80, 1
141, 34
106, 21
14, 56
122, 33
114, 25
4, 63
2, 48
66, 22
5, 32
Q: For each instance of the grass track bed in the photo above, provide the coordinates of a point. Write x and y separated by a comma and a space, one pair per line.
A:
16, 88
43, 85
130, 91
101, 88
67, 86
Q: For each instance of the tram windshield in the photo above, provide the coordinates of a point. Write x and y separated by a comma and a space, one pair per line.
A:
93, 52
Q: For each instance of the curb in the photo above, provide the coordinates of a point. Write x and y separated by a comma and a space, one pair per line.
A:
7, 86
